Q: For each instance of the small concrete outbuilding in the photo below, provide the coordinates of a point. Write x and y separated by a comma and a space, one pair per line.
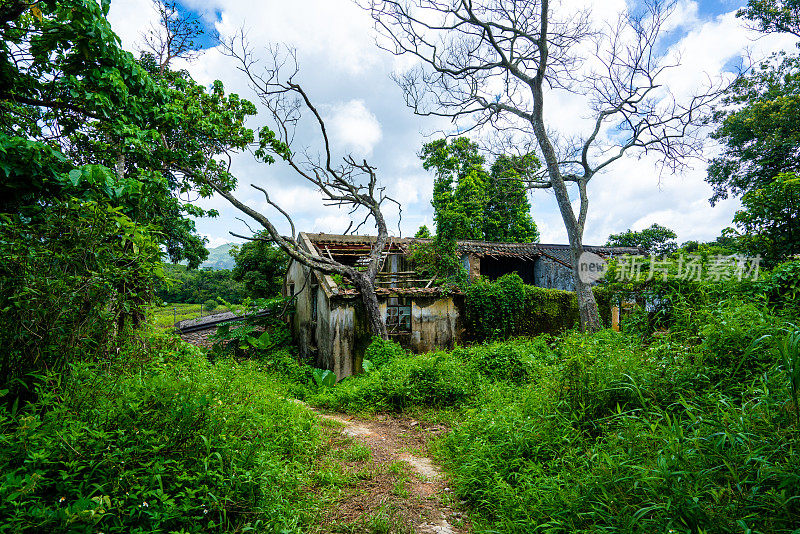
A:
329, 324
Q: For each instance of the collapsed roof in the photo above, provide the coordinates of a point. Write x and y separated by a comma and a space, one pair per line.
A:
401, 278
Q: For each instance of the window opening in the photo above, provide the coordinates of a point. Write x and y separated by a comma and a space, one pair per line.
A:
398, 315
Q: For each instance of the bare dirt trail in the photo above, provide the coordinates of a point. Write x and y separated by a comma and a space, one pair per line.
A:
402, 481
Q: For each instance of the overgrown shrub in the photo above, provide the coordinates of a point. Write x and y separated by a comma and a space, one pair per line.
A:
210, 305
507, 307
728, 330
181, 446
782, 287
622, 437
381, 352
515, 361
73, 277
433, 380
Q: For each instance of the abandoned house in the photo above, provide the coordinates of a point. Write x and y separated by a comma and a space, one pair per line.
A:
331, 332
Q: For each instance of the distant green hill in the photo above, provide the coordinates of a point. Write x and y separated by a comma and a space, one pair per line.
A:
218, 258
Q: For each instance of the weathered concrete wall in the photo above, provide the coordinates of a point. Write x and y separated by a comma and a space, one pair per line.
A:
200, 337
435, 323
301, 324
552, 275
342, 336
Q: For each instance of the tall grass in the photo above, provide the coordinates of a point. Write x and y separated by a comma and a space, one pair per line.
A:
178, 446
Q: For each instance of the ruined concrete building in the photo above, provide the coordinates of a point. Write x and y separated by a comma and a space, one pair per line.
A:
331, 331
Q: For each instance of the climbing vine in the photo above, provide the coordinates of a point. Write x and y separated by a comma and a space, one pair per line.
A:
507, 307
494, 309
439, 259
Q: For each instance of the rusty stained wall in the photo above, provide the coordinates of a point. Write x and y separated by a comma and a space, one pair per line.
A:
436, 323
552, 275
342, 336
302, 326
337, 338
343, 333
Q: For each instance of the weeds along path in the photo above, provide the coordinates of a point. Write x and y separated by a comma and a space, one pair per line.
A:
375, 476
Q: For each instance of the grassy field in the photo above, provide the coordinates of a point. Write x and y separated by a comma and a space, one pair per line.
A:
167, 316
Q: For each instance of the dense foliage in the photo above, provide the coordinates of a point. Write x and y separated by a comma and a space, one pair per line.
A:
186, 285
656, 239
758, 129
471, 203
260, 268
506, 307
71, 97
177, 445
71, 282
769, 223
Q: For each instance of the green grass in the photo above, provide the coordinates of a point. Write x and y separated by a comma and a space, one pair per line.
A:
167, 316
604, 432
179, 445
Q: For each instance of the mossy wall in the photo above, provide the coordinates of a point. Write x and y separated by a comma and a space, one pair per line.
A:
507, 307
551, 311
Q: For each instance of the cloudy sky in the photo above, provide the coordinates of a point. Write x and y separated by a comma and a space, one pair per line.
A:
348, 77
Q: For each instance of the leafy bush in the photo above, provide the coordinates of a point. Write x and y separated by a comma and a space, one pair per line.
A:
433, 380
507, 307
514, 361
182, 445
381, 352
74, 276
728, 330
210, 305
782, 287
617, 436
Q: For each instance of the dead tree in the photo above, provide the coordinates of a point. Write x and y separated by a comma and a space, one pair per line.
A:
173, 36
350, 184
492, 63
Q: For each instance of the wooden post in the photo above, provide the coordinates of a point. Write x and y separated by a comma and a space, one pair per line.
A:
615, 318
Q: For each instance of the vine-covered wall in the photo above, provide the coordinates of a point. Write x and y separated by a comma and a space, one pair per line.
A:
507, 307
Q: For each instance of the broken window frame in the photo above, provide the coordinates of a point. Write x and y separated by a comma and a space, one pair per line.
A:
398, 315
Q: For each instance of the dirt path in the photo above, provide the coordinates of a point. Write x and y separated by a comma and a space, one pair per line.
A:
387, 482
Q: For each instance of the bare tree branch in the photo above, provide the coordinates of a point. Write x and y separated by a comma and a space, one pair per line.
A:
491, 63
350, 184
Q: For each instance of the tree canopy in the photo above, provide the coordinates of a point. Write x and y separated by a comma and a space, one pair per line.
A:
471, 203
71, 97
759, 129
260, 267
769, 223
656, 239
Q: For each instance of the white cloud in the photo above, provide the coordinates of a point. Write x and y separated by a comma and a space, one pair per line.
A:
348, 79
354, 127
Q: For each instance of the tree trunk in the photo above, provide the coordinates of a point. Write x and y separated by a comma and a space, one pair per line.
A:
587, 305
120, 166
367, 289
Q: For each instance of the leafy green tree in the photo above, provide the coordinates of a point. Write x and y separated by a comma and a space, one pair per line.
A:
471, 203
507, 210
656, 239
260, 267
769, 223
759, 129
423, 232
66, 84
773, 16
